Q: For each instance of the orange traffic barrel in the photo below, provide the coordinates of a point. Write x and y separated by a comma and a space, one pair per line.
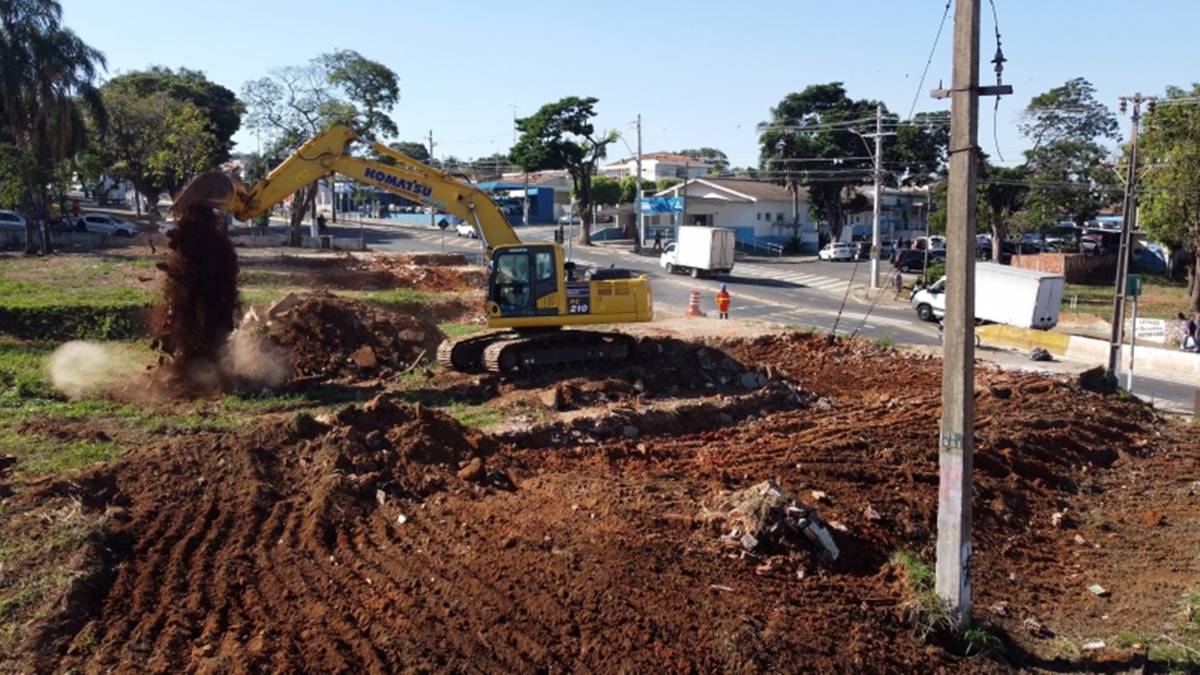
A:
693, 308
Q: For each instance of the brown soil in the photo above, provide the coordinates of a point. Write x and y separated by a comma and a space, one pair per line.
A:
330, 336
385, 539
449, 273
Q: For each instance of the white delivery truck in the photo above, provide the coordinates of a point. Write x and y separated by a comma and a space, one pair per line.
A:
1003, 294
699, 251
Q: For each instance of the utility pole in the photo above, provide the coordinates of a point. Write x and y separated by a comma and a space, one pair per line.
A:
687, 169
878, 135
1128, 208
640, 224
432, 215
955, 460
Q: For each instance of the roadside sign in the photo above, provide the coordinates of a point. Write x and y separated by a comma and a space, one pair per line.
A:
661, 205
1133, 285
1151, 329
443, 223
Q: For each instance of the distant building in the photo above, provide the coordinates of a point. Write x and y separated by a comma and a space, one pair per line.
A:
757, 211
904, 214
657, 165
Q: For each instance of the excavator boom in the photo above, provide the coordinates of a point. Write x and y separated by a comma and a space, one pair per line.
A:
326, 154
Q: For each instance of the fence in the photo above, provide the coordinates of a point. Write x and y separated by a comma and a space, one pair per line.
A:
755, 246
1076, 268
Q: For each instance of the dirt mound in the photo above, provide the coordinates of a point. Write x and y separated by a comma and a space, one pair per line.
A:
330, 336
431, 272
262, 534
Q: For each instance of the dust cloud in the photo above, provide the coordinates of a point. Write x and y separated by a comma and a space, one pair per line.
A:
80, 368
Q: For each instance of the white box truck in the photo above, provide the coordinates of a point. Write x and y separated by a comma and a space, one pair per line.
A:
699, 251
1003, 294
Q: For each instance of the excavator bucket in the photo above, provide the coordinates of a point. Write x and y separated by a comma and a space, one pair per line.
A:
214, 189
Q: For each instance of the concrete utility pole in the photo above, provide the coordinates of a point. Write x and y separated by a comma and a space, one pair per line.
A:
640, 224
878, 135
958, 369
432, 215
1128, 209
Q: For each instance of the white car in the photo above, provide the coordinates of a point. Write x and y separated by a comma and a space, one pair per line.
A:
466, 230
99, 222
11, 220
836, 251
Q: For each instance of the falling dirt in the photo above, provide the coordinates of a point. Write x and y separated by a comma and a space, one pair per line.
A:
200, 296
385, 537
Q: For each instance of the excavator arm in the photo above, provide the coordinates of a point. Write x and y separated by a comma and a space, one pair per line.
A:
326, 154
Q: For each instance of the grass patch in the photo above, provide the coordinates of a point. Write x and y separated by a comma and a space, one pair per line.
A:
977, 640
885, 342
1161, 298
22, 371
397, 298
39, 455
454, 330
478, 416
919, 574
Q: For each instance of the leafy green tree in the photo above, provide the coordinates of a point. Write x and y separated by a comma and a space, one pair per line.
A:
295, 103
918, 150
1169, 193
561, 135
47, 76
418, 151
219, 105
815, 138
1067, 173
606, 191
667, 182
154, 141
629, 188
1001, 196
718, 163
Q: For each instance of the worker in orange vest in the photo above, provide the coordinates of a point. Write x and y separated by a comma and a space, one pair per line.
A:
723, 302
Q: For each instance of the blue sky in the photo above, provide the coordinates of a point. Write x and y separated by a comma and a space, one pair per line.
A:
701, 73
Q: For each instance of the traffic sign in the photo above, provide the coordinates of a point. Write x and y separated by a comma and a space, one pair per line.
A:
443, 223
1133, 285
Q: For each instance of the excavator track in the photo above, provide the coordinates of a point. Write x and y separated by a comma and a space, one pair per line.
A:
465, 354
529, 354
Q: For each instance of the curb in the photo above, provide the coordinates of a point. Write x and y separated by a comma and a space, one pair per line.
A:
1176, 366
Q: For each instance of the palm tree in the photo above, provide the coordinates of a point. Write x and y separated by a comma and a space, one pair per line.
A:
46, 84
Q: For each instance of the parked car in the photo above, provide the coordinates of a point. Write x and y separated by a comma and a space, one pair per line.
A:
836, 250
568, 220
914, 261
11, 219
466, 230
106, 224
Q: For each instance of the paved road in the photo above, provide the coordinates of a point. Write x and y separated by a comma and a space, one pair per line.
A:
789, 291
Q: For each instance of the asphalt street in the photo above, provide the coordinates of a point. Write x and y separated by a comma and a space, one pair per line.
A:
791, 291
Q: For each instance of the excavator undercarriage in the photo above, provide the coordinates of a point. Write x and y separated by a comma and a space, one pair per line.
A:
515, 353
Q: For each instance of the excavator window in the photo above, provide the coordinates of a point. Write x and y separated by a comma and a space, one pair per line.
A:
513, 289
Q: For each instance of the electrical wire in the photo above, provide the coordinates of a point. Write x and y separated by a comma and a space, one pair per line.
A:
936, 38
999, 61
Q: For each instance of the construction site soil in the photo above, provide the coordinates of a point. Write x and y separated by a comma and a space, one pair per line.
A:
388, 537
329, 336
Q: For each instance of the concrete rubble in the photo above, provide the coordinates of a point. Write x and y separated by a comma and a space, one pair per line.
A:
765, 519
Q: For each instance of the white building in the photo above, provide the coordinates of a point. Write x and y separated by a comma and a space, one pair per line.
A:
755, 210
903, 214
658, 165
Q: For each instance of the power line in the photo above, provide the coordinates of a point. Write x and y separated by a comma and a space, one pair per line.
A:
929, 61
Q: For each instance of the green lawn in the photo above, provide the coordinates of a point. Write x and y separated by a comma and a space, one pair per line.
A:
1161, 299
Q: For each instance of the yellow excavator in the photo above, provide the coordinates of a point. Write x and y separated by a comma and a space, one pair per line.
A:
532, 291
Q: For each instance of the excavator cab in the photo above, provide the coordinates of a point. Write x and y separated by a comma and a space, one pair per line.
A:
524, 281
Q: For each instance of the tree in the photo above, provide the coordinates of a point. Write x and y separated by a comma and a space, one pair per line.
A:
815, 138
629, 188
560, 135
666, 182
414, 149
918, 150
1067, 172
1169, 194
46, 85
219, 105
718, 163
1001, 198
155, 141
295, 103
606, 191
